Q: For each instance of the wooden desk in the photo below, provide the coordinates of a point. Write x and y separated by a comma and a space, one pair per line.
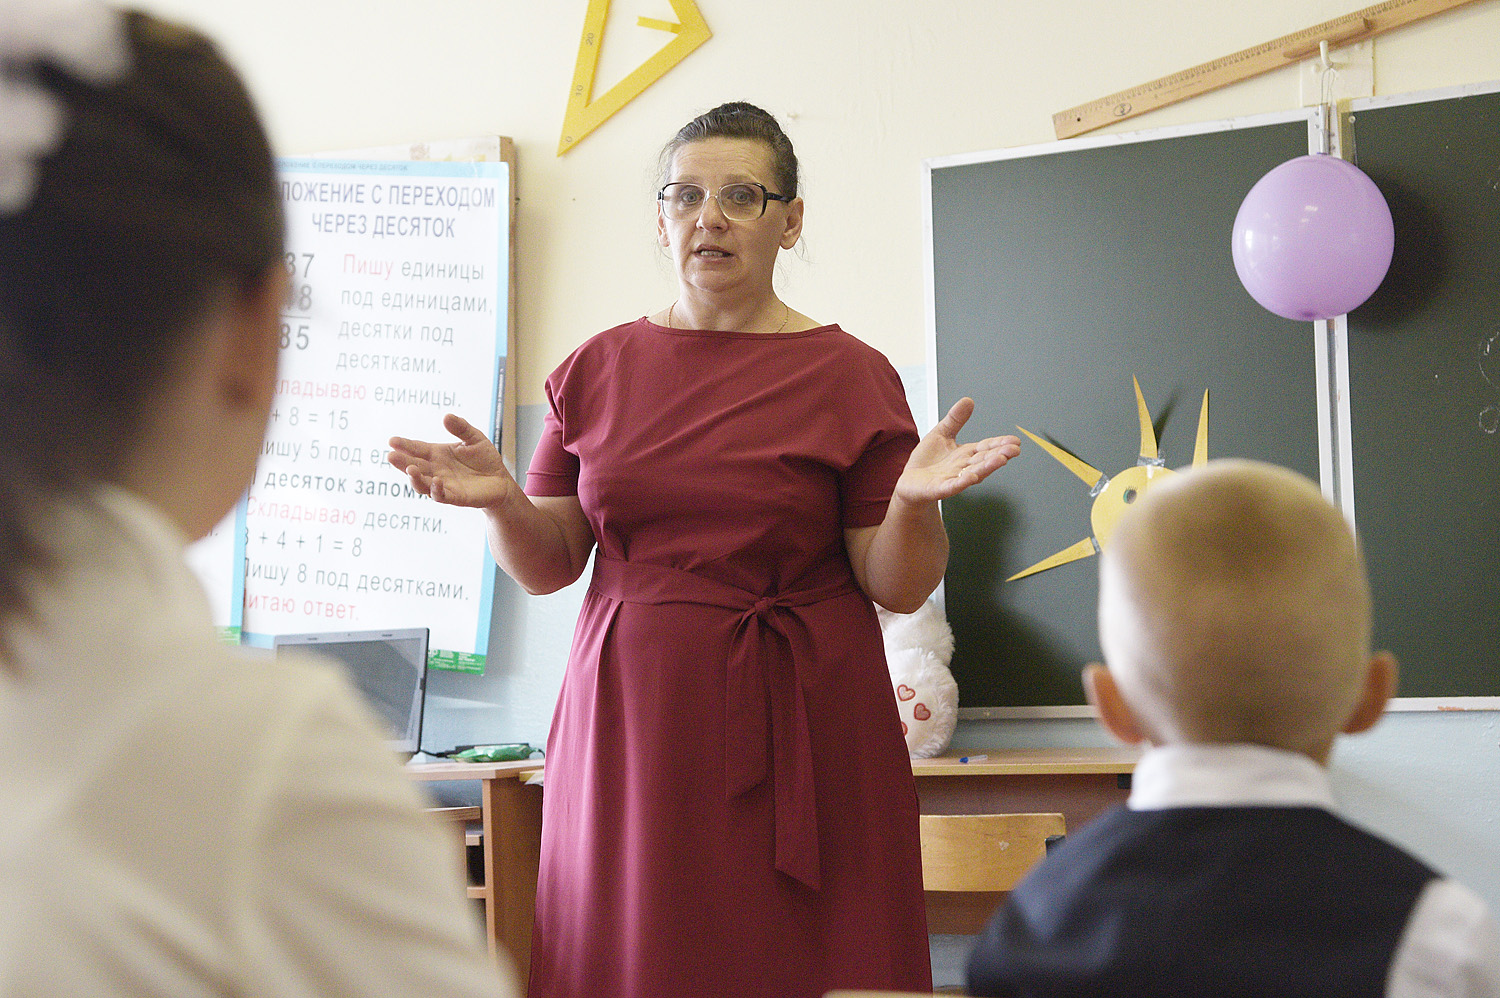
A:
1078, 783
511, 813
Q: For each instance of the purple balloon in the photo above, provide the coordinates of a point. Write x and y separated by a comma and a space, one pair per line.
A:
1313, 238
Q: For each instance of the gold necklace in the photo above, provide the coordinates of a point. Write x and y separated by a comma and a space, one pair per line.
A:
784, 319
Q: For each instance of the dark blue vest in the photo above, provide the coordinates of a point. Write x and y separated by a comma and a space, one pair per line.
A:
1269, 902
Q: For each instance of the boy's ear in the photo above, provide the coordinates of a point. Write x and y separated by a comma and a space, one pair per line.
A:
1114, 713
1379, 687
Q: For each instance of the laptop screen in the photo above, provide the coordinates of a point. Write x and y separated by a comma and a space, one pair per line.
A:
388, 667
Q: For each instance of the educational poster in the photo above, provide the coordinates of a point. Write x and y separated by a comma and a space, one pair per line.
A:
398, 313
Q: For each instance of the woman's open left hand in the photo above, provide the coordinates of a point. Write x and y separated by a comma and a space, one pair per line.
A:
940, 467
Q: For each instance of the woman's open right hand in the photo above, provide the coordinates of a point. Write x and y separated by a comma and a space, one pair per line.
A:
467, 473
542, 543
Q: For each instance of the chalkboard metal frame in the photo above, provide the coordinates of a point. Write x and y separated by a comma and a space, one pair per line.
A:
1173, 405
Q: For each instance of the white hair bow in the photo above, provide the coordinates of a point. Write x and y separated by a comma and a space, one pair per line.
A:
85, 37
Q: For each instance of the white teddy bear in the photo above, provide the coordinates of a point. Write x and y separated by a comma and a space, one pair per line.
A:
918, 648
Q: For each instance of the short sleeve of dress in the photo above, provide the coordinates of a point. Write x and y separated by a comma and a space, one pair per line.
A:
553, 470
866, 487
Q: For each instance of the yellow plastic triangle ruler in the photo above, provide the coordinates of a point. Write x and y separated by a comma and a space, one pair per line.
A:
584, 113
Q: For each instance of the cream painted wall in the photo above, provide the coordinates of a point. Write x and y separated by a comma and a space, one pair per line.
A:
867, 89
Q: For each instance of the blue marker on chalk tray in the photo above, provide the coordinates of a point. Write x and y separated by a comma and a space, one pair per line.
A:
973, 758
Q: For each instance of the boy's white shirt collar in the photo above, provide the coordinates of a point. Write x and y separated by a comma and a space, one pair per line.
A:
1227, 776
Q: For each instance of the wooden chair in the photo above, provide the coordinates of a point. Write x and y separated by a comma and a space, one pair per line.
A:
970, 859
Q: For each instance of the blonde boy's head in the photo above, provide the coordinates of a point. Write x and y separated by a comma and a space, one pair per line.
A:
1234, 607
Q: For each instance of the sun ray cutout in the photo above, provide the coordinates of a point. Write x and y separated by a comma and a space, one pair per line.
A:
1112, 495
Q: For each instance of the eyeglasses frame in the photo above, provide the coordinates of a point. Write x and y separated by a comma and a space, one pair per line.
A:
766, 198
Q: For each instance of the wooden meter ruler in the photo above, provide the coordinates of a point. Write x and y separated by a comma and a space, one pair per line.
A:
1246, 63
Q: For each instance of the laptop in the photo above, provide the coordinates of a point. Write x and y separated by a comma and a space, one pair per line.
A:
388, 667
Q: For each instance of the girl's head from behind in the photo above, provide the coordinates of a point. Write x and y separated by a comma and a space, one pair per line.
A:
138, 210
1234, 607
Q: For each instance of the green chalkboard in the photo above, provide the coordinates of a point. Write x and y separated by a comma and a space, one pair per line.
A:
1424, 390
1057, 274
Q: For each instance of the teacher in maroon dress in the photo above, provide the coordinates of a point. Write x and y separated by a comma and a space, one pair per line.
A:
729, 807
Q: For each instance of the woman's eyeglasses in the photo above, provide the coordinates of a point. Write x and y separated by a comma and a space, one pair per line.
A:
738, 202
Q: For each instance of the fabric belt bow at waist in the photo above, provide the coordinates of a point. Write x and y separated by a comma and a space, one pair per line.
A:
760, 692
